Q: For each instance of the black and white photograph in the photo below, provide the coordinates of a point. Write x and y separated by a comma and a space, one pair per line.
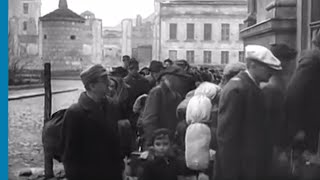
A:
164, 90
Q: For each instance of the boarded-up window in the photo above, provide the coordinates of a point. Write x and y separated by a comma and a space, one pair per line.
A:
207, 57
190, 56
207, 32
190, 31
25, 8
224, 57
173, 31
25, 25
225, 32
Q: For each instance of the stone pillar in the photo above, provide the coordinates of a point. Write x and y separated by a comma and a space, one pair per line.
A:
303, 19
156, 33
126, 37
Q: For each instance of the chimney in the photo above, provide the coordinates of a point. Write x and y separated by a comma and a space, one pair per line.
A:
63, 4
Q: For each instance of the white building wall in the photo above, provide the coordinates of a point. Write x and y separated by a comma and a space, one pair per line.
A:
223, 14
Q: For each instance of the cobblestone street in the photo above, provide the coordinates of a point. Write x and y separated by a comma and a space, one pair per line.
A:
25, 126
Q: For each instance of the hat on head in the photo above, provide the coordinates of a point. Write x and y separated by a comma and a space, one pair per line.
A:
92, 73
234, 68
263, 55
283, 52
174, 70
156, 66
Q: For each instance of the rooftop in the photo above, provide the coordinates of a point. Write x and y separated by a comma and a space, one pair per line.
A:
63, 13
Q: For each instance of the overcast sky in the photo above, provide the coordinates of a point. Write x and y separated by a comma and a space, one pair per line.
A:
111, 12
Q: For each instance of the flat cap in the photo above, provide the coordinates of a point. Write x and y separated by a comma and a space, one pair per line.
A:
92, 73
263, 55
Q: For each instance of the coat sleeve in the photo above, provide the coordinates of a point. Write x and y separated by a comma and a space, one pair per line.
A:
230, 117
151, 114
297, 93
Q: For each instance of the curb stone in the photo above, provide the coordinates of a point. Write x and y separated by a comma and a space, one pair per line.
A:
31, 95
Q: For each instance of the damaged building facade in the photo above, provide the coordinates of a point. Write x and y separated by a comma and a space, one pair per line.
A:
23, 27
201, 32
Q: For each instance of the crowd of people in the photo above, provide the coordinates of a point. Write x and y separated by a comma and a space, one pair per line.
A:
189, 122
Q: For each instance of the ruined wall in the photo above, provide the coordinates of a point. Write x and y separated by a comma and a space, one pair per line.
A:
24, 27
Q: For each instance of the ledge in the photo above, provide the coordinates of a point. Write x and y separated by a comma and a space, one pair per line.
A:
269, 25
281, 3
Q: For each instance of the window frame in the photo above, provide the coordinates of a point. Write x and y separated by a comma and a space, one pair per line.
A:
225, 32
175, 33
176, 55
188, 53
224, 57
25, 26
205, 33
25, 7
207, 57
190, 32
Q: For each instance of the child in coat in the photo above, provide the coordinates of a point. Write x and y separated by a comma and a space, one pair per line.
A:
160, 164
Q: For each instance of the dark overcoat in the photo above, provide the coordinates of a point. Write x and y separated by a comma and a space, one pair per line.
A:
160, 110
138, 85
90, 141
303, 98
243, 149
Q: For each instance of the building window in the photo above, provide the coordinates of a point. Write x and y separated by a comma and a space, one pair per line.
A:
173, 55
241, 56
190, 56
207, 32
224, 57
72, 37
25, 8
225, 32
45, 36
173, 31
190, 31
207, 57
25, 25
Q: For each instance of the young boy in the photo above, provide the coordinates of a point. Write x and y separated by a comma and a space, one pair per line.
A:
160, 165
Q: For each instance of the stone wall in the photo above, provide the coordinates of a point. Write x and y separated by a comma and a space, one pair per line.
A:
62, 45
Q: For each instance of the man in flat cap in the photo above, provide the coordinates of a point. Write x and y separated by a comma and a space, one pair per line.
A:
241, 133
303, 99
90, 142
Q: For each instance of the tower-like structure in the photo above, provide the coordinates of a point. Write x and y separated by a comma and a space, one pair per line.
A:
61, 37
